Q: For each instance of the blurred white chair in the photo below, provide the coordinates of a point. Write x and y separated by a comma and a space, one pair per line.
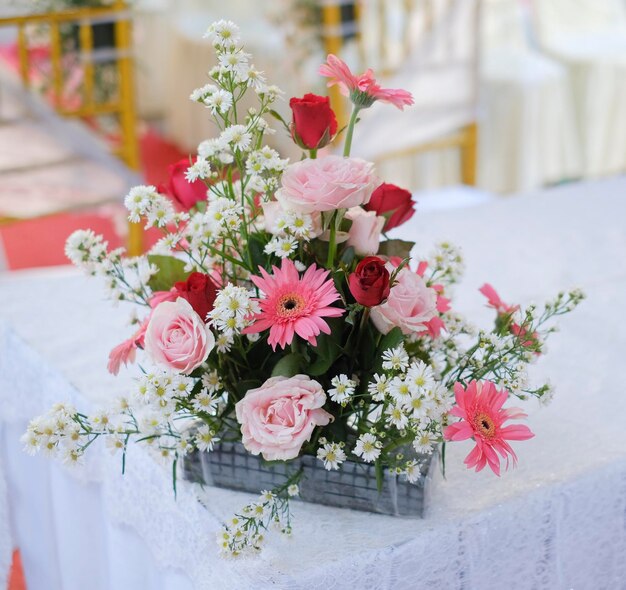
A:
191, 57
589, 37
430, 49
528, 127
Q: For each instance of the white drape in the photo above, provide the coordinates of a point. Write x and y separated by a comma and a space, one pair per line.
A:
528, 132
589, 38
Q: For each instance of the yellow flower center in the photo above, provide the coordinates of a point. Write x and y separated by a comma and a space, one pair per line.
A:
290, 304
485, 425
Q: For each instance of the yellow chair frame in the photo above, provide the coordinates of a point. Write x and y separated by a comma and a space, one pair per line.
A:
123, 106
466, 139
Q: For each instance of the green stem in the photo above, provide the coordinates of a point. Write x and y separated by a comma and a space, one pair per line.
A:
332, 244
348, 144
313, 154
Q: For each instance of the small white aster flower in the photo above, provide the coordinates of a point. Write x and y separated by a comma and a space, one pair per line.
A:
212, 381
220, 100
115, 443
378, 388
204, 402
412, 471
400, 390
420, 376
332, 455
396, 417
293, 490
424, 441
238, 137
200, 93
200, 169
395, 359
281, 246
343, 389
367, 447
223, 33
205, 438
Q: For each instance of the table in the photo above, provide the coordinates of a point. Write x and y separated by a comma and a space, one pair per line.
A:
555, 522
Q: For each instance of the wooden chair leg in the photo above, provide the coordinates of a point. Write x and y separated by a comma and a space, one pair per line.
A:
469, 155
135, 239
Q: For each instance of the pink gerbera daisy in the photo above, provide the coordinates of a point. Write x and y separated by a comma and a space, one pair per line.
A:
480, 407
294, 305
363, 90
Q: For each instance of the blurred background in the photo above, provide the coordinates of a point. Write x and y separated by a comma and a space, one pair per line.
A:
511, 96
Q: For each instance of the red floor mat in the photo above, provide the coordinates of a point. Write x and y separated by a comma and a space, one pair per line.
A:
41, 242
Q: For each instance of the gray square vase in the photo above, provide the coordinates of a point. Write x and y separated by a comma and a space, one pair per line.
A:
353, 486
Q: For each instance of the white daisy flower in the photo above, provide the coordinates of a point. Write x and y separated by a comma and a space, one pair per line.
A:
395, 359
396, 417
332, 455
367, 447
343, 389
205, 438
378, 388
424, 441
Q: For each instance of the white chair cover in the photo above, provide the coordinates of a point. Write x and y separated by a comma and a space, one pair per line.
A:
441, 74
528, 134
589, 37
191, 57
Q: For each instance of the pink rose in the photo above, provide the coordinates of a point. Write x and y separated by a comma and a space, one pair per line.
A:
326, 184
364, 233
177, 337
280, 416
410, 306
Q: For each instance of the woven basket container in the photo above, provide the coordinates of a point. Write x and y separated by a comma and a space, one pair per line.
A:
229, 465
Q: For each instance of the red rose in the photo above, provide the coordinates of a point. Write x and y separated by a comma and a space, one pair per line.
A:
314, 122
369, 283
185, 194
200, 291
391, 199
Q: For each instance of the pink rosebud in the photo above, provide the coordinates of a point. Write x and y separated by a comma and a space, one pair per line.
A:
410, 306
280, 416
177, 336
364, 233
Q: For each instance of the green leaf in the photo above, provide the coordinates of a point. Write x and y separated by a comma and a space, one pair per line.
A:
171, 270
327, 352
242, 387
319, 249
256, 245
288, 366
348, 256
400, 248
390, 340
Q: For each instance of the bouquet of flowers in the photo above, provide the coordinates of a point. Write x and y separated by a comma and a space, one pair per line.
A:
277, 311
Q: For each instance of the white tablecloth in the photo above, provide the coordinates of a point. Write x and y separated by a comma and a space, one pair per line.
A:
556, 522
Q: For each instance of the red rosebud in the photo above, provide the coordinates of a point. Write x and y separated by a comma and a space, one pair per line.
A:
184, 193
314, 122
392, 202
369, 283
200, 291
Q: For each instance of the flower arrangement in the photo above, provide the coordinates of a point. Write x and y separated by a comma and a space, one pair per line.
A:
278, 312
